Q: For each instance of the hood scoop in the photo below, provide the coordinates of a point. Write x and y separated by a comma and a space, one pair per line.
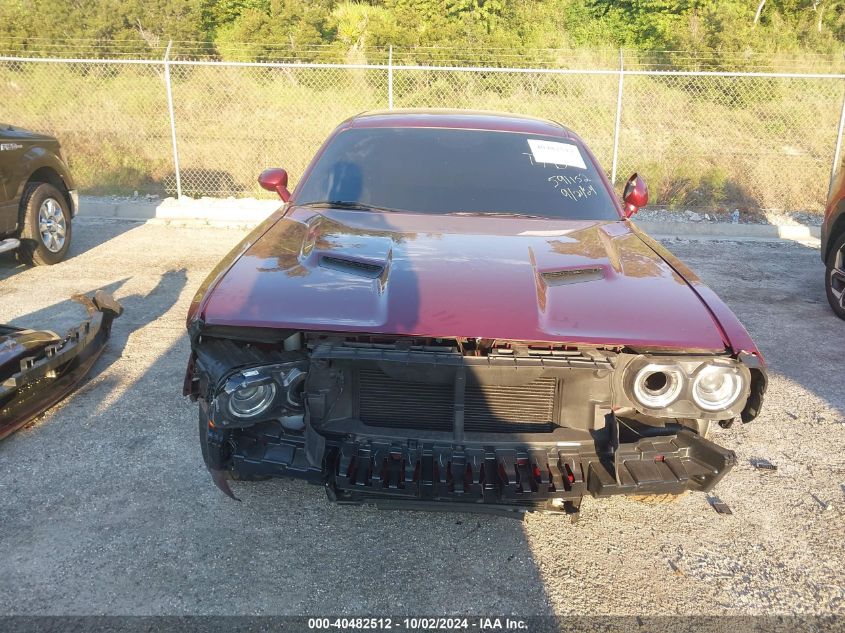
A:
572, 276
357, 267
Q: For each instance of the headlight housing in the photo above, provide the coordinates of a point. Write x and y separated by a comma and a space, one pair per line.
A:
252, 400
656, 385
714, 388
251, 395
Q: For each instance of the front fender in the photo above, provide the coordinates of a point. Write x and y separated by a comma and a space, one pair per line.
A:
37, 158
833, 226
736, 336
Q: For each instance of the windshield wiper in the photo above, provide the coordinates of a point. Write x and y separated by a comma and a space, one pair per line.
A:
496, 214
345, 204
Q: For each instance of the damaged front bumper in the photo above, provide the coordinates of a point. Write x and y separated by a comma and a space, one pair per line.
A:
502, 477
414, 425
38, 368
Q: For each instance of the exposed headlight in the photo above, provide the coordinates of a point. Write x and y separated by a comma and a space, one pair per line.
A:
294, 385
717, 387
257, 393
656, 386
698, 387
251, 400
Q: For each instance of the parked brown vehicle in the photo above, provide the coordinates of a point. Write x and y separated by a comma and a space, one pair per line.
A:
38, 197
833, 243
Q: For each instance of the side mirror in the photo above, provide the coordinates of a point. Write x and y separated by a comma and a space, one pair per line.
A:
275, 179
635, 195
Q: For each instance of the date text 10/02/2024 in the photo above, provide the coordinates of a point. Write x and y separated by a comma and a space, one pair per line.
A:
417, 624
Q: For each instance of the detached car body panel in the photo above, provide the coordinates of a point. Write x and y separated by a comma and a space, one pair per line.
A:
416, 326
40, 368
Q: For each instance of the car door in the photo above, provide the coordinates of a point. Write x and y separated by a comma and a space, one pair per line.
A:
11, 152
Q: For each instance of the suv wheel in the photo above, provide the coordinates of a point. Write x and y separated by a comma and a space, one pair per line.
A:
835, 277
45, 237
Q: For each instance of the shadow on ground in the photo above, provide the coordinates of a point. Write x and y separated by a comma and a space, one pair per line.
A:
107, 507
133, 523
88, 234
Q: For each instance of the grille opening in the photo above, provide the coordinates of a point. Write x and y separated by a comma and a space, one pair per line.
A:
569, 477
387, 401
529, 407
572, 276
384, 477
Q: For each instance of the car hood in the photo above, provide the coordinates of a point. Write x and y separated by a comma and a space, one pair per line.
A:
10, 132
586, 282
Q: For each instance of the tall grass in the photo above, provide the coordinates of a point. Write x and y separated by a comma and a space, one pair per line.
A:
698, 141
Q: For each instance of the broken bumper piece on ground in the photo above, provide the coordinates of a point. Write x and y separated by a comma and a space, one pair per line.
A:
40, 368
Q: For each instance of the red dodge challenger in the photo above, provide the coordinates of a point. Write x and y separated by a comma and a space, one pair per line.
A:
453, 310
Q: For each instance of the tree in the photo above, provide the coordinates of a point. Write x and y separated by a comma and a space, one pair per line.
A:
260, 29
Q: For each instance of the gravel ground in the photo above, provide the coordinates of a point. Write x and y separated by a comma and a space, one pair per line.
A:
105, 506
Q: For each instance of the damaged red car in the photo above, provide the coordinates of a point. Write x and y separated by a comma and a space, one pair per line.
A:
453, 310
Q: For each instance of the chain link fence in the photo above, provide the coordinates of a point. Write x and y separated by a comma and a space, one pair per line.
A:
732, 141
701, 139
112, 119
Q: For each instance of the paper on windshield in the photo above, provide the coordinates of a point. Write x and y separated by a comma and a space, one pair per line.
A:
549, 152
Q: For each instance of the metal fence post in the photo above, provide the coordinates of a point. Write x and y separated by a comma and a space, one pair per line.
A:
837, 152
390, 78
618, 118
172, 119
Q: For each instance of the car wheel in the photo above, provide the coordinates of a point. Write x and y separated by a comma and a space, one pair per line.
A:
45, 236
835, 277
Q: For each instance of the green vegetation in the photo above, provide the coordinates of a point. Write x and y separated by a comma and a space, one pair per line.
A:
747, 142
321, 29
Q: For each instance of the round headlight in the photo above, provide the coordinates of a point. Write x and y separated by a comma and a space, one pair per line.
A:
658, 386
716, 388
249, 401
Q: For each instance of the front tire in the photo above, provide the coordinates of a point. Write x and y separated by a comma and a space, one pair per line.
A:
834, 279
46, 232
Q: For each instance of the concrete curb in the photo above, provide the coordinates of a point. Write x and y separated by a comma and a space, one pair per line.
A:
228, 213
725, 230
141, 210
217, 211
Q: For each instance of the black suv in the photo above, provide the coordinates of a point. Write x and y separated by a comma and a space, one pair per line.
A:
38, 198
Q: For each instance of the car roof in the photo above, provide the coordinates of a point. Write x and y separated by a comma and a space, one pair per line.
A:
460, 120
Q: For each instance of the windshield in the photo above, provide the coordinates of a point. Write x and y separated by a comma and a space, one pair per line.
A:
434, 170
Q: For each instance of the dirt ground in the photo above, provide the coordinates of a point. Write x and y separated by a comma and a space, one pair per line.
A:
106, 508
